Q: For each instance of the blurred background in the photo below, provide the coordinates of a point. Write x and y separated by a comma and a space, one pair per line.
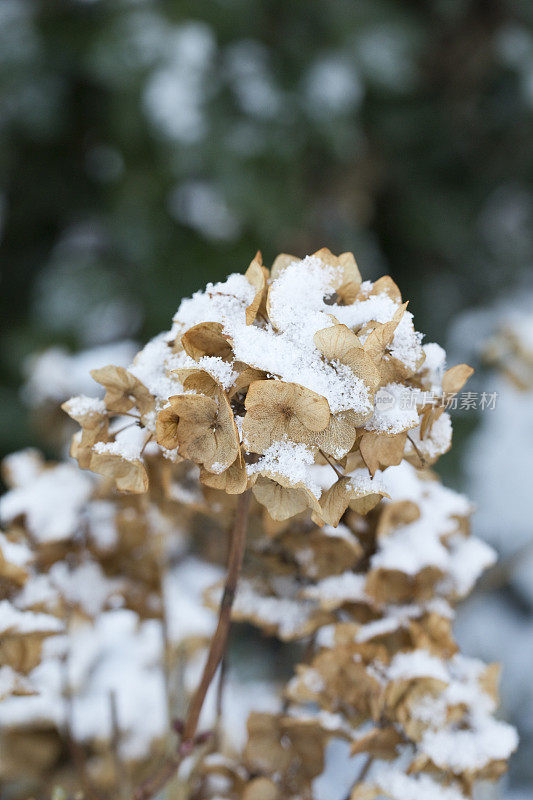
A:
148, 146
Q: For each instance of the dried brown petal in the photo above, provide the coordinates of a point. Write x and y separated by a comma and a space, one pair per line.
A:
22, 653
261, 789
283, 500
348, 280
339, 343
455, 378
233, 480
167, 428
198, 381
246, 375
319, 554
257, 275
284, 747
11, 573
395, 515
452, 382
338, 438
382, 335
380, 743
275, 410
342, 494
385, 285
94, 428
207, 433
129, 476
394, 586
207, 339
123, 390
381, 450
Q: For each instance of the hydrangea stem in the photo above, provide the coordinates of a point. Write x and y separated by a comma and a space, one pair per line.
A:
217, 649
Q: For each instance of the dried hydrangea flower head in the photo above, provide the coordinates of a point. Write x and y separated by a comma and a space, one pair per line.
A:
373, 600
84, 579
510, 349
301, 382
311, 389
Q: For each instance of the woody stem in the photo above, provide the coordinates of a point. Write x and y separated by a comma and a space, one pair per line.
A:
220, 638
217, 649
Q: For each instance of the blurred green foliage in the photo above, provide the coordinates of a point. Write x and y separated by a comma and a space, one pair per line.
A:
148, 146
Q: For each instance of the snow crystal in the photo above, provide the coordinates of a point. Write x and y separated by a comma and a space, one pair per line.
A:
313, 680
14, 621
393, 618
23, 466
51, 503
460, 750
220, 370
289, 459
81, 404
434, 364
340, 532
405, 346
436, 442
288, 615
362, 482
400, 786
416, 664
128, 444
288, 351
11, 681
37, 591
378, 627
325, 636
338, 589
116, 653
85, 585
101, 523
394, 409
223, 302
420, 543
14, 552
468, 559
218, 467
153, 366
183, 589
296, 298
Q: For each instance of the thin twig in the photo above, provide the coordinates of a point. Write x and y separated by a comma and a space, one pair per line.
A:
220, 638
365, 768
332, 465
149, 439
121, 776
152, 785
362, 775
419, 454
220, 695
124, 427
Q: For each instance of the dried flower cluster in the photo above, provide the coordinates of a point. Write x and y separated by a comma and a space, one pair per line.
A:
511, 350
308, 387
269, 374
